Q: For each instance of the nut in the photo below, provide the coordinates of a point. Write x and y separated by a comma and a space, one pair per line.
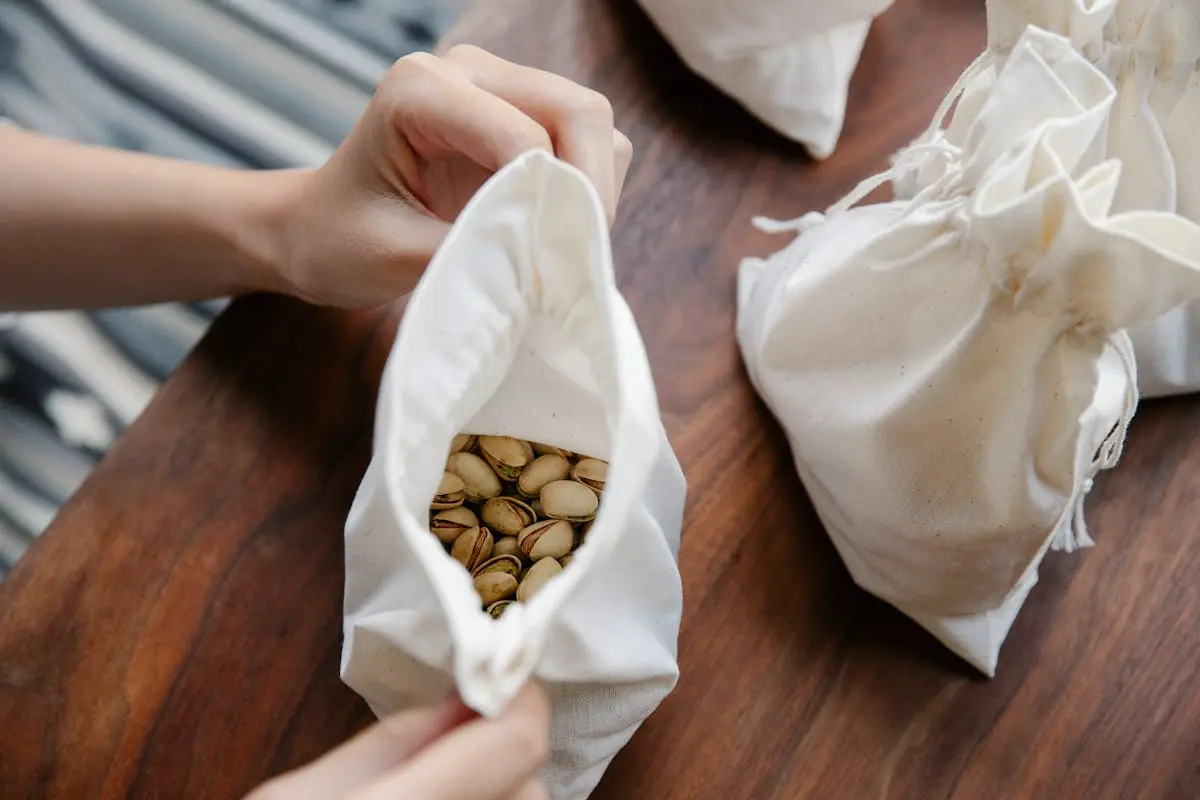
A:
545, 449
591, 472
509, 564
507, 516
566, 559
448, 525
506, 546
569, 500
536, 577
550, 538
506, 455
450, 493
472, 547
464, 441
495, 586
479, 482
498, 608
542, 470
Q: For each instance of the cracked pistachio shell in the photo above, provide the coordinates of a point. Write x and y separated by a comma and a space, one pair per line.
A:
494, 586
479, 482
497, 609
569, 500
536, 577
506, 546
472, 548
464, 441
542, 470
448, 525
550, 538
507, 516
506, 455
546, 449
591, 472
510, 564
450, 492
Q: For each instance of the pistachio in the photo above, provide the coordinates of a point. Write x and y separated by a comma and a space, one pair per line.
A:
506, 455
536, 577
479, 482
508, 516
510, 564
448, 525
542, 470
464, 441
569, 500
536, 505
506, 546
472, 547
566, 559
498, 608
591, 472
549, 450
550, 538
450, 493
495, 586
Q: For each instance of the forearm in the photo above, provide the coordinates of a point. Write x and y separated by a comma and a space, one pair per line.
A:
89, 227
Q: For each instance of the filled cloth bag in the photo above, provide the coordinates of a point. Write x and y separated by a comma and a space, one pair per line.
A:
1150, 50
951, 370
788, 62
517, 328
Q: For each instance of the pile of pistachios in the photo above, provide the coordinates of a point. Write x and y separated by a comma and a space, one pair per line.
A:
513, 512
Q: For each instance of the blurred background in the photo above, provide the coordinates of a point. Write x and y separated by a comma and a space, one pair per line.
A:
244, 83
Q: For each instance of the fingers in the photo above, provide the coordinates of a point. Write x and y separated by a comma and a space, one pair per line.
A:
486, 759
623, 153
532, 791
578, 120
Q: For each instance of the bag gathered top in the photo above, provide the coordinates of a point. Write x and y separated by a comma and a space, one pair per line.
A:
951, 368
517, 330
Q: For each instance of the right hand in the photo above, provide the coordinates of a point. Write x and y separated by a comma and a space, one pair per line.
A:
443, 752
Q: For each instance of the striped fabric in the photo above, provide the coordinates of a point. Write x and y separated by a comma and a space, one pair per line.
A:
246, 83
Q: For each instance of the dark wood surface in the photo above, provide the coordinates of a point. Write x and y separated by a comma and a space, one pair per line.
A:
176, 633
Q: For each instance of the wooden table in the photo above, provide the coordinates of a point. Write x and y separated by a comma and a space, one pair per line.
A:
176, 633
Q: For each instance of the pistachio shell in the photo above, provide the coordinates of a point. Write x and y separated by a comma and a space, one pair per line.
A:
464, 441
569, 500
536, 577
550, 538
566, 560
507, 516
450, 492
472, 547
536, 505
540, 471
506, 546
497, 609
506, 455
448, 525
479, 482
494, 586
591, 472
510, 564
546, 449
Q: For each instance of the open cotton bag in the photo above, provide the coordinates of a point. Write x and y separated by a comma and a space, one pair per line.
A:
788, 62
517, 328
1150, 50
951, 370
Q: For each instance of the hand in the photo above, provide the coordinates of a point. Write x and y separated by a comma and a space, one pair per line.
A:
438, 753
360, 230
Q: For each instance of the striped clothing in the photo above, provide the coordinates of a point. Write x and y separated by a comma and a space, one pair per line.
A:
242, 83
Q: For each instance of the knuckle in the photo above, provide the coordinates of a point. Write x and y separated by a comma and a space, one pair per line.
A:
466, 53
622, 145
593, 106
411, 66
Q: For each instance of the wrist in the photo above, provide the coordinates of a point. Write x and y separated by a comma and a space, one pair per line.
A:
262, 231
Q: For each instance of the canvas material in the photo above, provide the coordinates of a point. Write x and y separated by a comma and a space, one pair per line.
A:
1150, 50
951, 369
788, 62
517, 328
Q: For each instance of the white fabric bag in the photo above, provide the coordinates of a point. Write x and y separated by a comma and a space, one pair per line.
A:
517, 328
788, 62
1150, 50
951, 370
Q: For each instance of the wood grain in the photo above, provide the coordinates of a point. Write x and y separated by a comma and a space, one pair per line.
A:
176, 633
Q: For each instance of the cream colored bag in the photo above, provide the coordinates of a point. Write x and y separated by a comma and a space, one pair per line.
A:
1150, 49
788, 62
951, 369
517, 328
